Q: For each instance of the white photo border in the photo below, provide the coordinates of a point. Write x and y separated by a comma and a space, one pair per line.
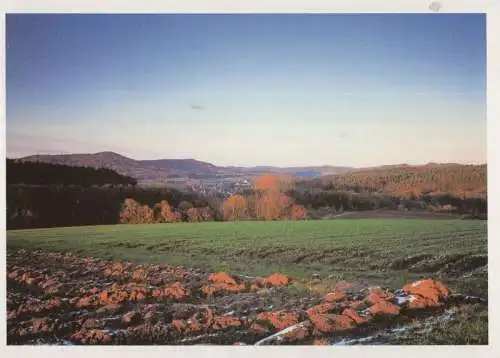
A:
491, 8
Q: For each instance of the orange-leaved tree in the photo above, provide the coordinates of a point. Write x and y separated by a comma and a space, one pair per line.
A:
199, 214
298, 212
165, 214
206, 214
235, 208
192, 215
130, 212
146, 215
270, 203
134, 213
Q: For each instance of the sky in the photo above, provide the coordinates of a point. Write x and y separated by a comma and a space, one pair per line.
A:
248, 89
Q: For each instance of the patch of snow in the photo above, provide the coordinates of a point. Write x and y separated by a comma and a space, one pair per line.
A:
190, 339
279, 335
402, 300
229, 313
365, 312
250, 277
424, 326
111, 318
347, 342
400, 329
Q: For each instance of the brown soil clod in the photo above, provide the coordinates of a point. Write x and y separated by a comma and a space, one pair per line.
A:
279, 320
378, 294
329, 323
349, 312
222, 277
384, 308
226, 322
321, 308
429, 290
177, 291
276, 279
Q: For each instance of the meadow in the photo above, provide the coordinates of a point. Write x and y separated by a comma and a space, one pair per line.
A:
379, 251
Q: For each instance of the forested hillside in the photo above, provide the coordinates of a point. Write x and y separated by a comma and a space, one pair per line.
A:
467, 181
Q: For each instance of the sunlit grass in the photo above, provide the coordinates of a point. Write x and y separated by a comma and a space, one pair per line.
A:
342, 249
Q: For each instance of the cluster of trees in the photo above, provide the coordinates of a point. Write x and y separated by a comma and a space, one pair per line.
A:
266, 201
31, 206
316, 198
38, 173
452, 188
465, 181
133, 212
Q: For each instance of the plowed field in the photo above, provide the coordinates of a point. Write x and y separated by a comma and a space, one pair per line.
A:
340, 282
56, 298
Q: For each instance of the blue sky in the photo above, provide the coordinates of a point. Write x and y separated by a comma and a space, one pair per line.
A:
282, 90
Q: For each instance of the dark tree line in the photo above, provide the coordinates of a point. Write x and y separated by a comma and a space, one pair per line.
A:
52, 195
315, 198
37, 173
53, 206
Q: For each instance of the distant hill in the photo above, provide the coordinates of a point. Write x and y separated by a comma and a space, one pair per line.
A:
433, 179
181, 165
400, 179
110, 160
163, 169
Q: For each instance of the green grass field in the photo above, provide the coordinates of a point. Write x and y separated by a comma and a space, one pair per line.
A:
361, 250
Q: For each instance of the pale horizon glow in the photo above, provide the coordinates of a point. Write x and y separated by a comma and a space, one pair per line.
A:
250, 90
